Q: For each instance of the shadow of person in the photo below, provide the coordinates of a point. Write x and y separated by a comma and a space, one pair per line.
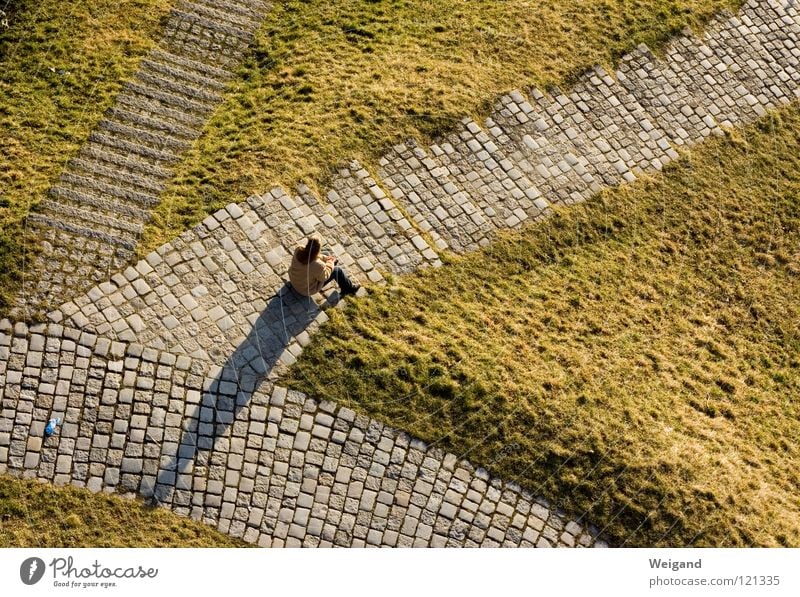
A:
264, 351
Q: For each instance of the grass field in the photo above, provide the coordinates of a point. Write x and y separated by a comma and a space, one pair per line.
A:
34, 514
635, 358
331, 81
62, 65
668, 414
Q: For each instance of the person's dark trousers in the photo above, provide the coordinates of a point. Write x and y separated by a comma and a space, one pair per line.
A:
345, 285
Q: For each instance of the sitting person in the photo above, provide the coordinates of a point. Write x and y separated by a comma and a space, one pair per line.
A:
310, 271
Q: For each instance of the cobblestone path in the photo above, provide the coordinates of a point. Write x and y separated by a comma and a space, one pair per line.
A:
164, 374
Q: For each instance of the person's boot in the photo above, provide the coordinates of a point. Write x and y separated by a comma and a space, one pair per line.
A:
351, 290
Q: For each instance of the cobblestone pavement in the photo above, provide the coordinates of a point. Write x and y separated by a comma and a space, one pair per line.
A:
165, 374
259, 462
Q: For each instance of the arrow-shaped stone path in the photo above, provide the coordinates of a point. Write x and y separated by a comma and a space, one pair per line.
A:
164, 375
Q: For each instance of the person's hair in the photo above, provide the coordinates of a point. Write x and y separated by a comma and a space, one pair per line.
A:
310, 252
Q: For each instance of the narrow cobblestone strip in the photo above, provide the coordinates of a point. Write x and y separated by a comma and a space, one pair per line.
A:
665, 96
93, 218
164, 373
274, 467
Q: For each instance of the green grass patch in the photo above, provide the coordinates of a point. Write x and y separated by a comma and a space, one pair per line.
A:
62, 66
635, 358
35, 514
327, 82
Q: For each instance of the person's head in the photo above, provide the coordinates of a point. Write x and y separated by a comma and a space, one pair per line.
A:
310, 252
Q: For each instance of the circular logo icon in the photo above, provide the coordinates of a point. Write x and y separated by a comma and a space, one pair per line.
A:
31, 571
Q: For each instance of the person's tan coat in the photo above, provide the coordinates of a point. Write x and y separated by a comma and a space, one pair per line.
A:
308, 279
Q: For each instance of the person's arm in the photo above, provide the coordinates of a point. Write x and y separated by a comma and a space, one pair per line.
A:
325, 267
328, 262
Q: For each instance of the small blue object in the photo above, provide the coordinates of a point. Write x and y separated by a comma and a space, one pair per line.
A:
51, 426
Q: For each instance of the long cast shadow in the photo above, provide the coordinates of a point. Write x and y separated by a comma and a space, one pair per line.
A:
286, 315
